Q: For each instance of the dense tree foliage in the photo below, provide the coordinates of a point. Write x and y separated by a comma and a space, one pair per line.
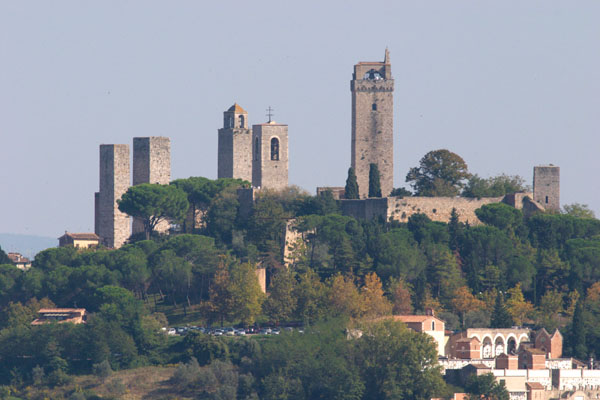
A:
495, 186
440, 173
153, 203
541, 270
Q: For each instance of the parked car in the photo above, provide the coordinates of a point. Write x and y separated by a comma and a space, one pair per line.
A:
171, 332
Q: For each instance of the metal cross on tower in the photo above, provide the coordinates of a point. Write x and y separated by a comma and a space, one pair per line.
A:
270, 113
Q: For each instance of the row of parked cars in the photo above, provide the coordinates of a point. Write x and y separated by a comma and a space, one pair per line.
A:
229, 331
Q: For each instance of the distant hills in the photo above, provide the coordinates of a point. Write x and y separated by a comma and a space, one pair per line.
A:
28, 245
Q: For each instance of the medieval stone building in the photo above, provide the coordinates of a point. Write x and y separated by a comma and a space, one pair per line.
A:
546, 186
111, 225
258, 155
372, 89
151, 164
235, 145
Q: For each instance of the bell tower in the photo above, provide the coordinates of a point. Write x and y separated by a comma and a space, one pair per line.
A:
372, 89
235, 145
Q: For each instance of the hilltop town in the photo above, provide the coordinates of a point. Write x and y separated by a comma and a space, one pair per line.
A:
255, 289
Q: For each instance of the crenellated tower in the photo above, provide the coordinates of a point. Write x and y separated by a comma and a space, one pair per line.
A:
372, 89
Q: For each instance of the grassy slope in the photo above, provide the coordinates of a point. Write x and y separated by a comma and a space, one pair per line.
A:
147, 383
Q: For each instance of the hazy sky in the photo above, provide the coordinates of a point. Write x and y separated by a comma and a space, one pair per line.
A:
505, 84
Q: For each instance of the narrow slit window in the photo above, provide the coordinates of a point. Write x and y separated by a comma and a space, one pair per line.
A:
546, 199
275, 149
256, 148
374, 107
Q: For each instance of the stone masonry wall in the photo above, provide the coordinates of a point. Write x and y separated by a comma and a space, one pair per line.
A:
437, 208
235, 153
267, 173
151, 164
113, 226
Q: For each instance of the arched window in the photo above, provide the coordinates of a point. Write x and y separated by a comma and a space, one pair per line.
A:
372, 75
229, 122
256, 148
546, 199
275, 149
374, 107
241, 121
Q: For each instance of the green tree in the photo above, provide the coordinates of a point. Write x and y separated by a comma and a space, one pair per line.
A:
281, 303
485, 387
246, 292
5, 260
500, 215
221, 301
397, 363
440, 173
400, 192
501, 318
495, 186
578, 333
576, 210
351, 189
153, 203
201, 192
374, 181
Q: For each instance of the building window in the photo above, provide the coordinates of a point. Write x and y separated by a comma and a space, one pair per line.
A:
256, 148
374, 107
229, 122
433, 325
275, 149
241, 121
546, 199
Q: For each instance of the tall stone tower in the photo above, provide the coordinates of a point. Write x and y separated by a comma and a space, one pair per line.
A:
235, 145
112, 225
372, 89
546, 186
151, 164
270, 155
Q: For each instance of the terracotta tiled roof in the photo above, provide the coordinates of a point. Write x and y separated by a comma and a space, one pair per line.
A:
413, 318
236, 108
18, 258
535, 385
82, 236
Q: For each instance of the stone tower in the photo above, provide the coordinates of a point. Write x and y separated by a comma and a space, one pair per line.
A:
111, 225
546, 186
151, 164
270, 155
372, 89
235, 145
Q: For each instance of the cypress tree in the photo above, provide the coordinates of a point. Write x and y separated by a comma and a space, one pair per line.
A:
351, 189
578, 333
501, 318
374, 183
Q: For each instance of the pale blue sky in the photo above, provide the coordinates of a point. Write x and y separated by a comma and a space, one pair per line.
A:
505, 84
